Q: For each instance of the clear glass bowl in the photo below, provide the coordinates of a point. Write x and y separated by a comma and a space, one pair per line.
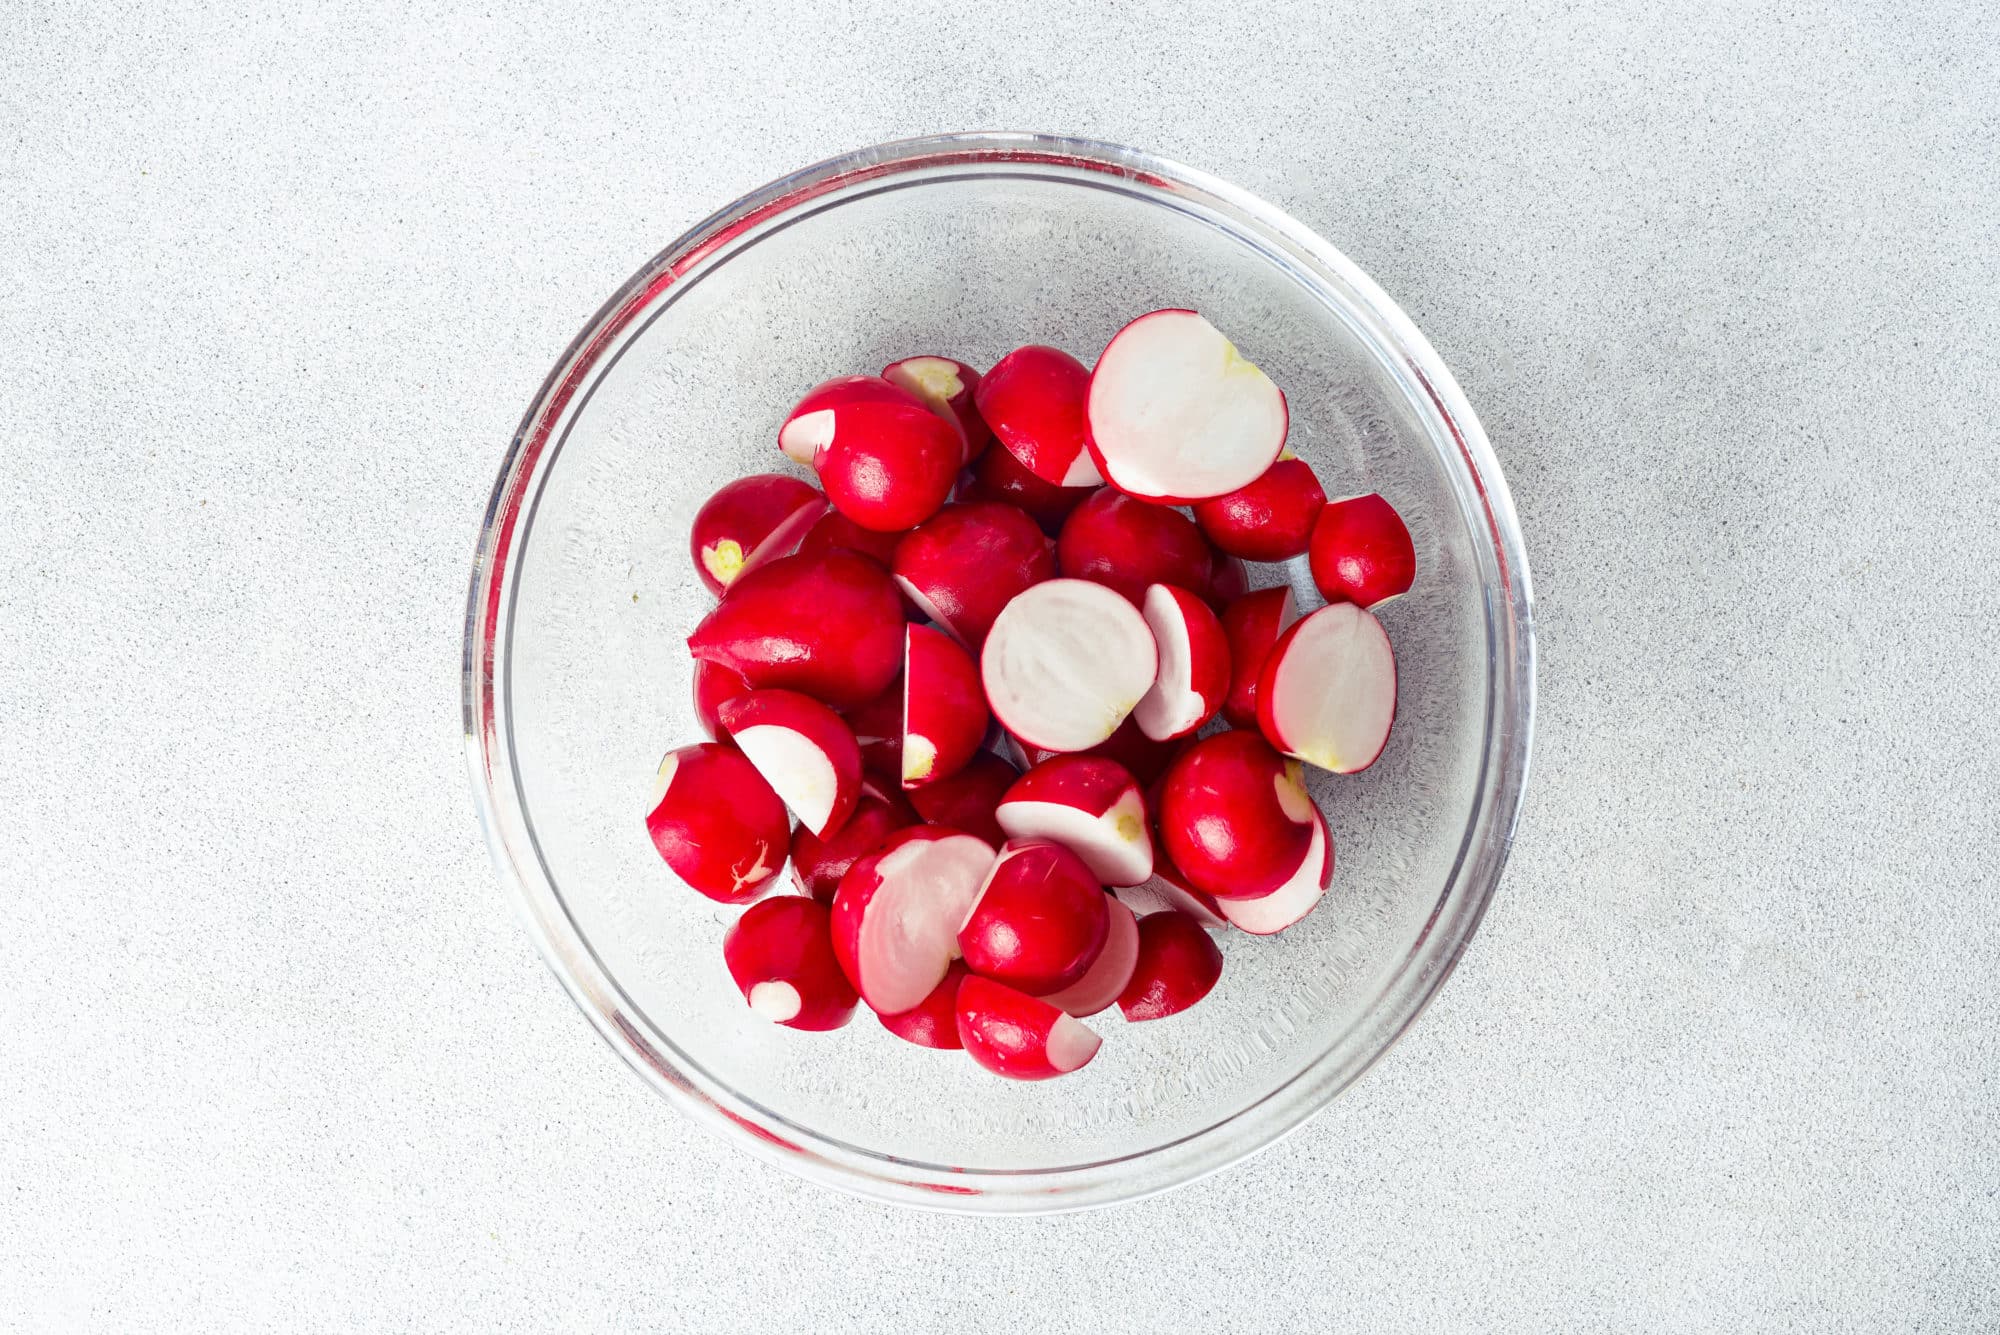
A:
577, 678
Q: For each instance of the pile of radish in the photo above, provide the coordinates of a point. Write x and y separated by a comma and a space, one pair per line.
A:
1009, 692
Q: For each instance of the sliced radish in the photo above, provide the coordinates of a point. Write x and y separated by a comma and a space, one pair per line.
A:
717, 823
829, 624
1193, 676
1177, 415
818, 864
1328, 692
780, 952
1178, 965
1252, 625
1109, 972
1234, 816
878, 731
999, 476
739, 516
832, 529
1269, 520
1039, 920
1293, 900
964, 564
1228, 580
897, 913
1033, 399
1089, 805
932, 1022
948, 387
1126, 545
1361, 552
714, 687
804, 751
1021, 1037
1065, 663
944, 709
967, 799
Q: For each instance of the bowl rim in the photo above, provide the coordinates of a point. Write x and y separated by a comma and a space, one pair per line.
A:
1482, 494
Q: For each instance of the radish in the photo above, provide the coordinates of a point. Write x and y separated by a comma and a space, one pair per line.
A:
1361, 552
1269, 520
780, 953
944, 710
717, 823
1021, 1037
1091, 806
787, 536
1177, 415
948, 387
1328, 691
1293, 900
886, 460
1228, 580
967, 562
967, 800
1039, 920
859, 401
1109, 972
803, 750
1193, 677
878, 731
830, 625
739, 516
714, 687
1252, 625
832, 529
1144, 757
897, 913
999, 476
818, 864
1033, 399
1126, 545
1169, 890
1177, 966
1234, 816
932, 1022
1065, 662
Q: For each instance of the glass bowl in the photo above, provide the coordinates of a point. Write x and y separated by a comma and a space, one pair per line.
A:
577, 679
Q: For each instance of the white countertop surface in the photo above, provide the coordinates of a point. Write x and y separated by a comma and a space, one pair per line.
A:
274, 290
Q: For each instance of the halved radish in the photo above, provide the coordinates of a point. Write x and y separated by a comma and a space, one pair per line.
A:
886, 460
857, 402
1328, 691
1127, 545
1177, 966
948, 387
717, 823
804, 751
999, 476
1293, 900
714, 687
1109, 972
785, 539
967, 799
1234, 816
1193, 676
818, 864
965, 563
1033, 398
1089, 805
1021, 1037
932, 1022
897, 913
1269, 520
1177, 415
1361, 552
739, 516
1228, 580
944, 709
1065, 662
1252, 625
1038, 921
1144, 757
878, 731
829, 624
780, 953
832, 529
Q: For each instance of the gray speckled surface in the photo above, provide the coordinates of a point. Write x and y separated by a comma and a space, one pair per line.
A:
273, 292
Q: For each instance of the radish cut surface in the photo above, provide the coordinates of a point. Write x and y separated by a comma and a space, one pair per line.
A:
1065, 663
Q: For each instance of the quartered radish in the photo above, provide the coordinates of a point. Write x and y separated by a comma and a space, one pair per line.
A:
1109, 972
932, 1022
1234, 816
999, 476
898, 910
780, 952
1065, 662
1177, 966
804, 751
818, 864
1361, 552
1127, 545
1193, 678
1252, 625
948, 387
1273, 913
1091, 806
739, 516
944, 707
1177, 415
1328, 691
1039, 920
967, 562
714, 687
828, 624
967, 800
717, 823
1033, 398
1271, 519
1021, 1037
886, 459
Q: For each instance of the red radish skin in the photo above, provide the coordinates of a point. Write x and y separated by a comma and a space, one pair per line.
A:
968, 562
1177, 415
1327, 695
1033, 399
1193, 678
933, 1023
1269, 520
830, 625
1361, 552
1169, 890
1178, 965
717, 823
1018, 1036
1091, 806
1146, 758
968, 799
739, 516
833, 530
804, 751
878, 731
780, 952
999, 476
1109, 972
886, 460
948, 387
714, 687
1234, 816
1126, 545
1065, 663
898, 910
1228, 580
1293, 900
1252, 625
818, 864
944, 707
785, 539
1039, 920
810, 426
